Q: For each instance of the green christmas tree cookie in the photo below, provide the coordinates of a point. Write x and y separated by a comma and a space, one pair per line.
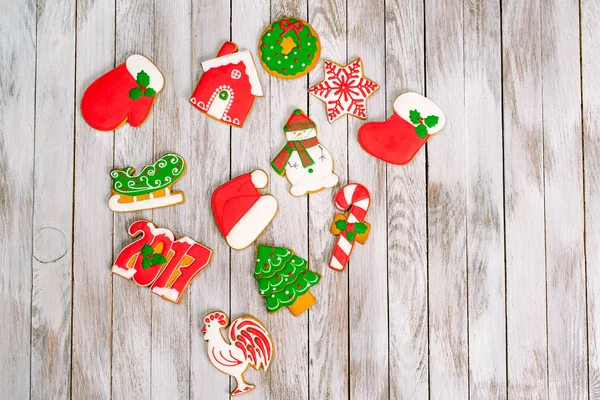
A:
284, 279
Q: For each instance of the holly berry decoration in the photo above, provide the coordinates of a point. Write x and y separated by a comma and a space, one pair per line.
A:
422, 124
352, 230
284, 279
142, 88
150, 257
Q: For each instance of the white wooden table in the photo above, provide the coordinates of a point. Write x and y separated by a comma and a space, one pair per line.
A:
480, 278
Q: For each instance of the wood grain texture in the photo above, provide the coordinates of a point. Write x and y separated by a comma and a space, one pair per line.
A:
407, 213
328, 319
289, 380
209, 158
524, 200
251, 150
17, 124
485, 200
132, 311
170, 369
590, 67
563, 185
368, 269
53, 202
446, 207
93, 221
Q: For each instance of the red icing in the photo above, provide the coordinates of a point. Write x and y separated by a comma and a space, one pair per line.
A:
394, 141
231, 201
106, 104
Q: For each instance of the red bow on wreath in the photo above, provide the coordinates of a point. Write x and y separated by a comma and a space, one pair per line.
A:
286, 25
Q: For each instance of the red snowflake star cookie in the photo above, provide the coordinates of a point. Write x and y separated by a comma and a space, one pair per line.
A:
344, 90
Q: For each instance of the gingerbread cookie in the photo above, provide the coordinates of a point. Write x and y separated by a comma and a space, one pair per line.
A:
157, 260
289, 48
355, 199
151, 188
344, 90
228, 87
240, 211
284, 279
305, 162
250, 345
126, 93
397, 140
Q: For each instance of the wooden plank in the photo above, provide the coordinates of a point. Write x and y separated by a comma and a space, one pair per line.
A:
447, 190
93, 221
524, 200
328, 320
132, 304
368, 269
208, 168
53, 202
563, 184
17, 123
407, 214
250, 150
590, 51
485, 200
171, 322
289, 375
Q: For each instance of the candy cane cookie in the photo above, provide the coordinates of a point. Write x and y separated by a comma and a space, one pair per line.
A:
351, 228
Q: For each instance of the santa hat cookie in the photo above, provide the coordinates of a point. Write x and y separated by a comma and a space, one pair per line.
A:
397, 140
227, 89
125, 93
240, 211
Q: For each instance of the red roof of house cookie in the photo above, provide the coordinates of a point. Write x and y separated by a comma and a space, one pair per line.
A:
234, 58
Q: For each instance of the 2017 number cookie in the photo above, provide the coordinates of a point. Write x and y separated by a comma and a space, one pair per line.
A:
289, 48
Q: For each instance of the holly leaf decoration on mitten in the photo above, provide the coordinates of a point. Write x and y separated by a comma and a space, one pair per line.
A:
135, 93
143, 79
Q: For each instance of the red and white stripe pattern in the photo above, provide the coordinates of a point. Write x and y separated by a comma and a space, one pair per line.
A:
357, 199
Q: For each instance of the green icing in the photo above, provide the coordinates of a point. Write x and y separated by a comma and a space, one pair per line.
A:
157, 176
285, 279
300, 58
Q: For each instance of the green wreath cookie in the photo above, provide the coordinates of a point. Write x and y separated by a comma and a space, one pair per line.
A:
289, 48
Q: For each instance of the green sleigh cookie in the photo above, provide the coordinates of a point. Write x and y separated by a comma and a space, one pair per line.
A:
151, 188
289, 48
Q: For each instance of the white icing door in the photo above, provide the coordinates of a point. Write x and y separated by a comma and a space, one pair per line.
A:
219, 105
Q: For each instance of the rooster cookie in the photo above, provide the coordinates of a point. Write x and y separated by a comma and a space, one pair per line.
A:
228, 87
250, 345
397, 140
344, 90
284, 279
157, 260
240, 211
151, 188
305, 162
289, 48
126, 93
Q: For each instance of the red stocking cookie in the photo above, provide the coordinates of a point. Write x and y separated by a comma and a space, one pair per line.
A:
397, 140
351, 228
250, 345
227, 89
126, 93
344, 90
240, 211
157, 259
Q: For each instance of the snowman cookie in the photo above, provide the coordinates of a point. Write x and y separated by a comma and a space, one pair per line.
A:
305, 162
289, 48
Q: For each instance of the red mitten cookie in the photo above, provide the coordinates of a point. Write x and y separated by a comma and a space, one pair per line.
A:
397, 140
126, 93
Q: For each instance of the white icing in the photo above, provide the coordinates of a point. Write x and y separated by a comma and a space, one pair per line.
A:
234, 58
187, 240
348, 192
301, 135
169, 293
259, 178
136, 63
312, 178
247, 229
124, 272
344, 244
414, 101
160, 231
335, 264
173, 198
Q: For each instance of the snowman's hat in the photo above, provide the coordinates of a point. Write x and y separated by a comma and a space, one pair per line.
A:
298, 121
